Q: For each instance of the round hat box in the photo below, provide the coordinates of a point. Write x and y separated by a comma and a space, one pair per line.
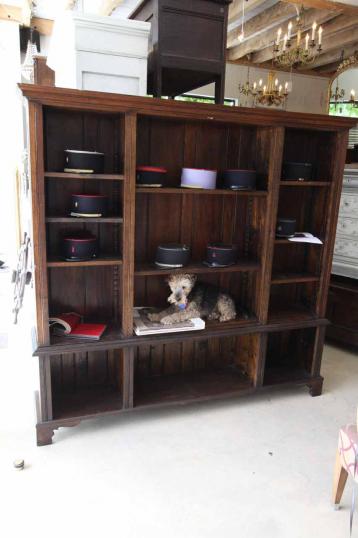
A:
88, 205
285, 227
237, 179
220, 255
150, 176
85, 162
294, 171
80, 248
172, 255
198, 178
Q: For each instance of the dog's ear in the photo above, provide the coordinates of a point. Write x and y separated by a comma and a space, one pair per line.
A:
193, 279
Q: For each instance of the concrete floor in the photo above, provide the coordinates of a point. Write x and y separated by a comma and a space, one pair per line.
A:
254, 467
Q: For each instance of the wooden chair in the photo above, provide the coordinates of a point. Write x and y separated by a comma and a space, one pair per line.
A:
346, 461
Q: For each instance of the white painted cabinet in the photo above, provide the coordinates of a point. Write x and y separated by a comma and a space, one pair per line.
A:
104, 54
345, 259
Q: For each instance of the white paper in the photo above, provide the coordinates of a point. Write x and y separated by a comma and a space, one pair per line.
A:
305, 237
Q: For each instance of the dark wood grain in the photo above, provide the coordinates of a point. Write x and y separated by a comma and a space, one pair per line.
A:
280, 287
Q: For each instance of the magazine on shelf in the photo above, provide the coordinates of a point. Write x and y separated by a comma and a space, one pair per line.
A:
143, 325
70, 324
305, 237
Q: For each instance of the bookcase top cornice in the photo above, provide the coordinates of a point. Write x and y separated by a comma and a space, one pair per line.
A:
117, 103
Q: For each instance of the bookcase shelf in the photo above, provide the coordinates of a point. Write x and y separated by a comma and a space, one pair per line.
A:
87, 220
150, 269
279, 287
68, 175
60, 262
211, 192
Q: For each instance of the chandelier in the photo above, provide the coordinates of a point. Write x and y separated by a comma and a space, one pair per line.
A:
272, 93
290, 52
352, 99
337, 95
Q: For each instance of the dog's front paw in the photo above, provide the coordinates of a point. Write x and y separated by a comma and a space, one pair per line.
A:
153, 317
167, 320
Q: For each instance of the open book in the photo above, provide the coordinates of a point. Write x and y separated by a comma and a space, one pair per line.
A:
143, 326
70, 324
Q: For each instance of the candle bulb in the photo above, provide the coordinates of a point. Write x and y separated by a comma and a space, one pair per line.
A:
286, 87
255, 85
260, 82
353, 95
320, 30
284, 42
276, 82
264, 89
280, 88
289, 28
279, 32
307, 39
314, 26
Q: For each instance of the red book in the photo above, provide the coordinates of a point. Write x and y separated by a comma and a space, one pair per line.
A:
70, 324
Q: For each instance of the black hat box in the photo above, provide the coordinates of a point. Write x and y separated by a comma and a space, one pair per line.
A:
172, 255
80, 247
88, 205
85, 162
150, 176
285, 227
237, 179
295, 171
220, 255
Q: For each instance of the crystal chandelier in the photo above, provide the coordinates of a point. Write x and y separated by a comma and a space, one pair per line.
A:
352, 99
273, 93
290, 52
27, 68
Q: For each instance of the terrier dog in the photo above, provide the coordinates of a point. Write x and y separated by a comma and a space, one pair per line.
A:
191, 300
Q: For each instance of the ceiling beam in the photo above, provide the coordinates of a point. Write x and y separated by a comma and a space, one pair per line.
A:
332, 5
107, 7
347, 41
235, 9
44, 26
262, 46
276, 14
20, 14
268, 67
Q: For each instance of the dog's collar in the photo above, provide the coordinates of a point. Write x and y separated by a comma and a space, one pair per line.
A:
183, 306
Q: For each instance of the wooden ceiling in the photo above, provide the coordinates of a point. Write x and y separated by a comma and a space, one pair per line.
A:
264, 17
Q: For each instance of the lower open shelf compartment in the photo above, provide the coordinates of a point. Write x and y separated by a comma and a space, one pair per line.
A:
289, 356
206, 369
86, 384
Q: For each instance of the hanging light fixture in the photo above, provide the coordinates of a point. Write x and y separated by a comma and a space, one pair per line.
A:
27, 69
337, 95
241, 35
290, 52
271, 93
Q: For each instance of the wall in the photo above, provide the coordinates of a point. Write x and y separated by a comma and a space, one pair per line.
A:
11, 134
309, 93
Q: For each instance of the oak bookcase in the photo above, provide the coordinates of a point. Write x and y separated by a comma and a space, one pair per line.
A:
280, 287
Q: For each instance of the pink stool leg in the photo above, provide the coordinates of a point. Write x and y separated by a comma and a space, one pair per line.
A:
339, 481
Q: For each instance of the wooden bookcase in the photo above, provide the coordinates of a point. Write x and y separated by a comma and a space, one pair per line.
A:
280, 287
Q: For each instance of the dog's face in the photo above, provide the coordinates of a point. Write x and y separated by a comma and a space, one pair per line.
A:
180, 286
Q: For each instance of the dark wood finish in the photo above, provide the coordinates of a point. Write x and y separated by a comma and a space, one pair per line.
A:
43, 74
185, 191
342, 311
69, 175
279, 287
150, 269
187, 46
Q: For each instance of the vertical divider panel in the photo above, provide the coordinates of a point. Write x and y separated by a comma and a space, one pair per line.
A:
128, 242
337, 168
38, 221
270, 147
